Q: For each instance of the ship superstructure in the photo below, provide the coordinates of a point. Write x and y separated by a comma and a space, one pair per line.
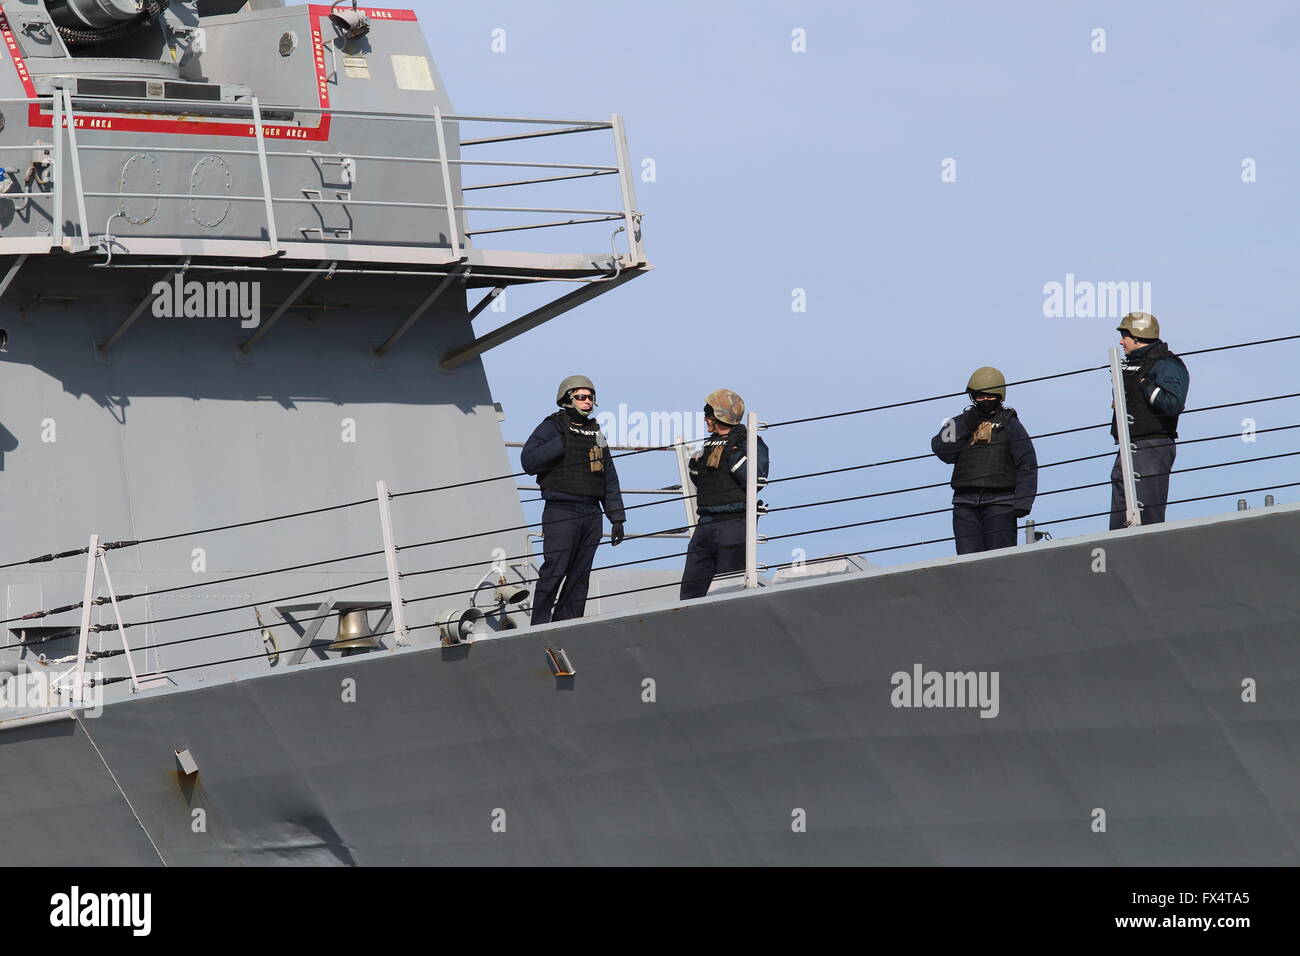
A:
238, 274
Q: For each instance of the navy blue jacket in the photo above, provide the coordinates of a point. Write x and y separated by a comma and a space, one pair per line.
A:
545, 448
1022, 453
1169, 382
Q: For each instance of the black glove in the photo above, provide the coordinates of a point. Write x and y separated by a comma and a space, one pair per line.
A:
971, 418
1021, 512
616, 533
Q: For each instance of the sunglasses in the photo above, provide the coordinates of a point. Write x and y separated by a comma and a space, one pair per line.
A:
585, 397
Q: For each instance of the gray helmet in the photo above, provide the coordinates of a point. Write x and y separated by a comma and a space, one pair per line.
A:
1140, 325
568, 385
988, 379
725, 405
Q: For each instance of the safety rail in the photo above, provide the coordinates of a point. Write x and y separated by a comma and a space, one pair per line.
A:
80, 235
328, 600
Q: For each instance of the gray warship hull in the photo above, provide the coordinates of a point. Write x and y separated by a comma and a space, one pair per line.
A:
772, 734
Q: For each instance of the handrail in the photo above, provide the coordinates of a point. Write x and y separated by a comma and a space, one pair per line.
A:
61, 103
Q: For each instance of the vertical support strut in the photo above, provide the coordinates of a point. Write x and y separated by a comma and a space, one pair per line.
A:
121, 628
452, 232
74, 159
1132, 507
87, 597
266, 179
628, 190
390, 558
684, 476
751, 501
56, 227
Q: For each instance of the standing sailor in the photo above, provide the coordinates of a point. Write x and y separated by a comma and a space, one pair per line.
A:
568, 454
995, 469
1155, 391
719, 472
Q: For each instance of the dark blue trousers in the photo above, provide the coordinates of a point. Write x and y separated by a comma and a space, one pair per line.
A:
1153, 459
570, 536
983, 527
716, 547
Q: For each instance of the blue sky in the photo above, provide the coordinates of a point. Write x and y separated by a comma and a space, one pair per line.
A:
778, 170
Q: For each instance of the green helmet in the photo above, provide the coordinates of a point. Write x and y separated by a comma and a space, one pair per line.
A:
988, 379
725, 405
1140, 325
568, 385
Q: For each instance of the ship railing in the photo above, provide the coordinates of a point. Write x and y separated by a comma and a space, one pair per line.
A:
78, 234
455, 624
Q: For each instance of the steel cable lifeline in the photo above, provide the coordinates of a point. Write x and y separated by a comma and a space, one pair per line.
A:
113, 545
648, 504
1054, 491
102, 600
673, 498
1051, 464
1038, 524
243, 607
653, 587
1023, 381
36, 615
114, 652
1063, 431
112, 627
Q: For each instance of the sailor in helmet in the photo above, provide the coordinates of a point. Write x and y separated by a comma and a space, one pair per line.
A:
718, 471
995, 469
568, 454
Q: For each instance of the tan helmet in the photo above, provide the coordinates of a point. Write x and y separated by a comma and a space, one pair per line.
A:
568, 385
1140, 325
726, 406
988, 379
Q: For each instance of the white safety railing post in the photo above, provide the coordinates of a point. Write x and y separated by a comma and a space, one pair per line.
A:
121, 628
87, 602
627, 189
684, 476
56, 227
1132, 507
74, 158
267, 197
751, 501
390, 558
452, 232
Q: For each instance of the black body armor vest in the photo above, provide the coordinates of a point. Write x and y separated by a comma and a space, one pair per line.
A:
582, 469
1146, 422
988, 465
714, 482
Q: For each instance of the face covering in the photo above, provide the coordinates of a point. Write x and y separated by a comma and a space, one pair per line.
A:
988, 408
575, 410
